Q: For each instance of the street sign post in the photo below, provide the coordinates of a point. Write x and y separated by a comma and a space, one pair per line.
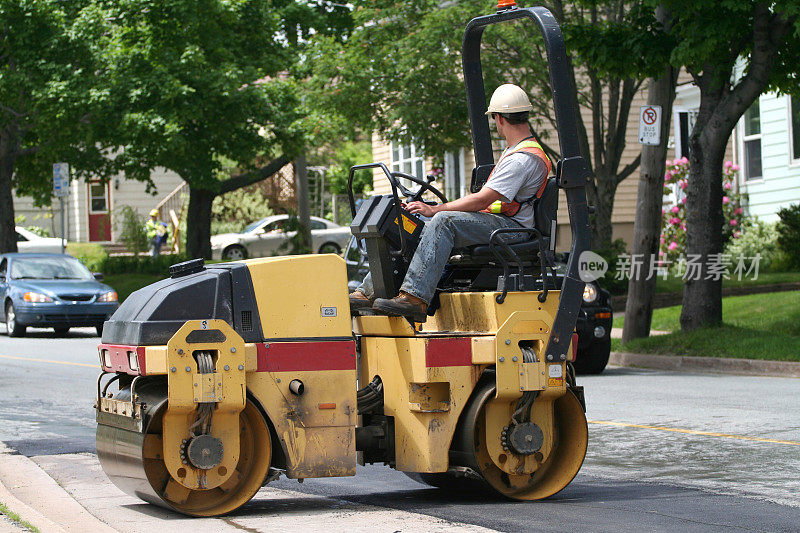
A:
60, 191
650, 125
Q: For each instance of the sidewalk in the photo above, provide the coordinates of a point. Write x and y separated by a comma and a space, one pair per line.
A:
54, 493
706, 365
32, 494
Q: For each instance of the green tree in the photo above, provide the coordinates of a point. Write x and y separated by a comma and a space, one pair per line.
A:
734, 51
400, 75
205, 88
50, 104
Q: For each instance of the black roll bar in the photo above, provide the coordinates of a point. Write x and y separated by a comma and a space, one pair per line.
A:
572, 171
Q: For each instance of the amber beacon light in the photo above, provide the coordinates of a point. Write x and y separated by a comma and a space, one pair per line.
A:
503, 5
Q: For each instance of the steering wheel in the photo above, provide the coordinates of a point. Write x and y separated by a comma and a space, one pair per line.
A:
424, 186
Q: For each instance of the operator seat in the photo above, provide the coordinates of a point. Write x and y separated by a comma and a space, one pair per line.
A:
545, 211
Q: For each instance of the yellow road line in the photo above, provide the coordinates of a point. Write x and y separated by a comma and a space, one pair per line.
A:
97, 366
693, 432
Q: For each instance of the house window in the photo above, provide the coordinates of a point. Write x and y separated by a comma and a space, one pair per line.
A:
455, 184
408, 158
752, 143
98, 200
684, 124
794, 108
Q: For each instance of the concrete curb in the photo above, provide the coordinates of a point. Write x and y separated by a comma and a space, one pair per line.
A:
28, 491
714, 365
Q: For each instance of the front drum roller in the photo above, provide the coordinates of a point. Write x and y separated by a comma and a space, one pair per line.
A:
134, 462
557, 470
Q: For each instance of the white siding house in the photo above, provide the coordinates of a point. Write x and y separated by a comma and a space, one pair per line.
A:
90, 207
768, 151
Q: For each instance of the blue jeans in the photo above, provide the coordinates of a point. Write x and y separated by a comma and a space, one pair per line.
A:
445, 231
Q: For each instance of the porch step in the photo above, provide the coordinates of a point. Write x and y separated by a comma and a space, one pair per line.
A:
114, 248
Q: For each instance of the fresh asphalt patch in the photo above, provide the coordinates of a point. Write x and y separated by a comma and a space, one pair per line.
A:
55, 446
588, 503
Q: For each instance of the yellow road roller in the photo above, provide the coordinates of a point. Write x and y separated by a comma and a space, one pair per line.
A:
225, 376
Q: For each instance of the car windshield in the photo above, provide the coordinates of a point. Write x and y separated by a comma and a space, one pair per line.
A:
253, 226
49, 268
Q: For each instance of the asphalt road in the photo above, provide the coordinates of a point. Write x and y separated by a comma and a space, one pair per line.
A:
667, 451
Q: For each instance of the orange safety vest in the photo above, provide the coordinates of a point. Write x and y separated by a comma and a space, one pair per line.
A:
511, 208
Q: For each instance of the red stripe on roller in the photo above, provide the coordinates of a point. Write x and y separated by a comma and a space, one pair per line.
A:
301, 356
118, 357
448, 352
142, 360
574, 346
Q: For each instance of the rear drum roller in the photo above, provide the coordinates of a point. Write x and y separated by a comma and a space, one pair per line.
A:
135, 463
556, 470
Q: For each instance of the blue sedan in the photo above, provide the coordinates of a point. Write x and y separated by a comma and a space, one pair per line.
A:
51, 291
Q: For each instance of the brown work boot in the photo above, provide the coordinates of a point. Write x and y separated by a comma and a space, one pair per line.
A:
403, 304
359, 300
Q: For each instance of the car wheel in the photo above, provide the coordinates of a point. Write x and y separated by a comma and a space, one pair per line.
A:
234, 253
594, 359
330, 248
99, 330
13, 328
61, 332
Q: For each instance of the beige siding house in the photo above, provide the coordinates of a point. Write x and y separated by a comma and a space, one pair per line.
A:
458, 167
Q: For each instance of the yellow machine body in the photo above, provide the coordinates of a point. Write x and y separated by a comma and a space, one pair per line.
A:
291, 399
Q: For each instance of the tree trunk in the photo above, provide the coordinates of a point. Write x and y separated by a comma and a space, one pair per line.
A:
8, 235
647, 224
303, 205
198, 225
702, 298
604, 206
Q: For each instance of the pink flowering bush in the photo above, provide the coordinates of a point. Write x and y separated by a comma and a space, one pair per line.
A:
673, 217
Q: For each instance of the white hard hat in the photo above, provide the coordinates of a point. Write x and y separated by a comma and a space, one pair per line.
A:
509, 98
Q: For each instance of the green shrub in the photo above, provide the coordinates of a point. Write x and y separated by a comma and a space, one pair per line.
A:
345, 156
610, 253
757, 237
233, 211
789, 235
131, 264
20, 220
92, 255
130, 229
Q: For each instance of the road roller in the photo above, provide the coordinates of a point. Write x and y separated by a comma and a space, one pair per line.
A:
223, 377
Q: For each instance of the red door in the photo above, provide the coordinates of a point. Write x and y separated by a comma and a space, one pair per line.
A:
99, 217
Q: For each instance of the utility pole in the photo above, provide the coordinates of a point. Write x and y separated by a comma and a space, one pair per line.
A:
61, 191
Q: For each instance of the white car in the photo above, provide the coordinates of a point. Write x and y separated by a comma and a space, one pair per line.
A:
29, 242
265, 237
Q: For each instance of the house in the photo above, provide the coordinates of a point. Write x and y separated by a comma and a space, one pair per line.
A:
89, 208
457, 173
765, 144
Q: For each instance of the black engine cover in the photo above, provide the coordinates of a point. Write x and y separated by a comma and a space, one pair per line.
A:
152, 315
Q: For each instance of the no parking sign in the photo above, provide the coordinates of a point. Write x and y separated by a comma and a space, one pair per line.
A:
650, 125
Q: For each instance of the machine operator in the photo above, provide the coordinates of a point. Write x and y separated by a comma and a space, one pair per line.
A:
505, 201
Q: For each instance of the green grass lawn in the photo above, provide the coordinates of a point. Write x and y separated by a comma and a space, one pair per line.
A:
125, 284
675, 284
756, 326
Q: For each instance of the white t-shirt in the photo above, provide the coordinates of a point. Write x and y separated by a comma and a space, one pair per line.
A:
517, 177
